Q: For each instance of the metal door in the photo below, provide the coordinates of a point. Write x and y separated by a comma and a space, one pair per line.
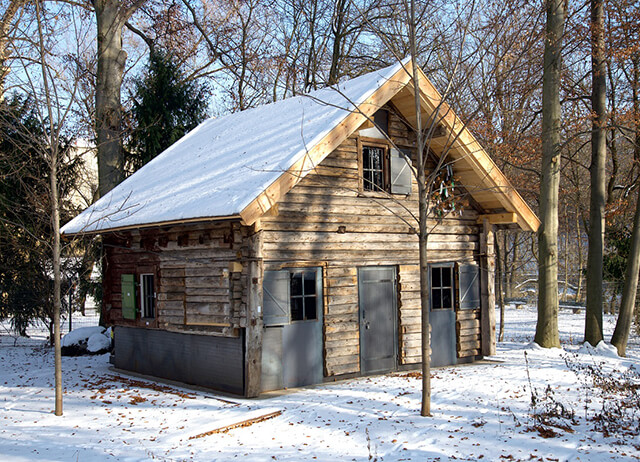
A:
378, 319
442, 316
292, 337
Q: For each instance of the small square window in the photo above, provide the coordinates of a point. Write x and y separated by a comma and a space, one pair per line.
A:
303, 294
442, 288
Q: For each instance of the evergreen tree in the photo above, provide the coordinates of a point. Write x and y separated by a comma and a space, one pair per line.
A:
165, 107
26, 284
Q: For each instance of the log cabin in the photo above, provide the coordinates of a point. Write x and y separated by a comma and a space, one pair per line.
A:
277, 247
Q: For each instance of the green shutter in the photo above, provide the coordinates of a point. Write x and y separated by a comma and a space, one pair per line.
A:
127, 282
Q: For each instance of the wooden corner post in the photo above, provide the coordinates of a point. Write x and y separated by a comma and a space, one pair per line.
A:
487, 287
253, 333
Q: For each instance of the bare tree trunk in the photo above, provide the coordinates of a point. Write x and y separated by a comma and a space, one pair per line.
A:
507, 269
566, 256
53, 144
499, 256
423, 234
337, 30
579, 237
593, 322
111, 16
547, 326
623, 325
55, 219
630, 290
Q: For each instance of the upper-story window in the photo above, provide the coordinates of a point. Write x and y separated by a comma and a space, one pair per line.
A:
374, 168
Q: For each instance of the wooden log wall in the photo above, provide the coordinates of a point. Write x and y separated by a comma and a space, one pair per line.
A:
326, 221
201, 275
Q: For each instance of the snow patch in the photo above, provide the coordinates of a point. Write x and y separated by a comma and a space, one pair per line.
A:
98, 342
601, 349
79, 337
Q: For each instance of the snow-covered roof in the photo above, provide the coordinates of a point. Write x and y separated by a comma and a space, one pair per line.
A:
225, 163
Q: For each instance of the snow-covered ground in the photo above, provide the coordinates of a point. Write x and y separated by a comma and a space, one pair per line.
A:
480, 411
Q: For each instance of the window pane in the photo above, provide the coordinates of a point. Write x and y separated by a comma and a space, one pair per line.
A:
372, 168
446, 277
366, 158
446, 299
367, 180
296, 284
297, 309
147, 290
435, 277
376, 158
310, 307
377, 181
436, 294
309, 282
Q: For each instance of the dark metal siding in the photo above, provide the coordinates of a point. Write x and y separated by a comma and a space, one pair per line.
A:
203, 360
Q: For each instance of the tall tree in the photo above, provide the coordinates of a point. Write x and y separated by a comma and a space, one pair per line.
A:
547, 326
165, 107
111, 17
593, 324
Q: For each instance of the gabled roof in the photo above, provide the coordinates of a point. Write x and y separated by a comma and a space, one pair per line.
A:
239, 165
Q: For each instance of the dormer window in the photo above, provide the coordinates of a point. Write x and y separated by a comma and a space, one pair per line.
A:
383, 168
374, 168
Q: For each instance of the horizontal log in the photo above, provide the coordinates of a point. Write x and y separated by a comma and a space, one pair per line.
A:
469, 345
409, 343
335, 309
197, 291
342, 335
209, 324
341, 271
334, 283
354, 341
351, 290
469, 334
223, 298
341, 318
341, 327
170, 305
339, 360
468, 324
414, 328
468, 353
344, 350
220, 308
358, 234
462, 315
166, 314
340, 369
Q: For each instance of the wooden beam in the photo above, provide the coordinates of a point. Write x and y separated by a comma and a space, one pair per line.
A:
487, 289
206, 324
253, 332
506, 218
352, 121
